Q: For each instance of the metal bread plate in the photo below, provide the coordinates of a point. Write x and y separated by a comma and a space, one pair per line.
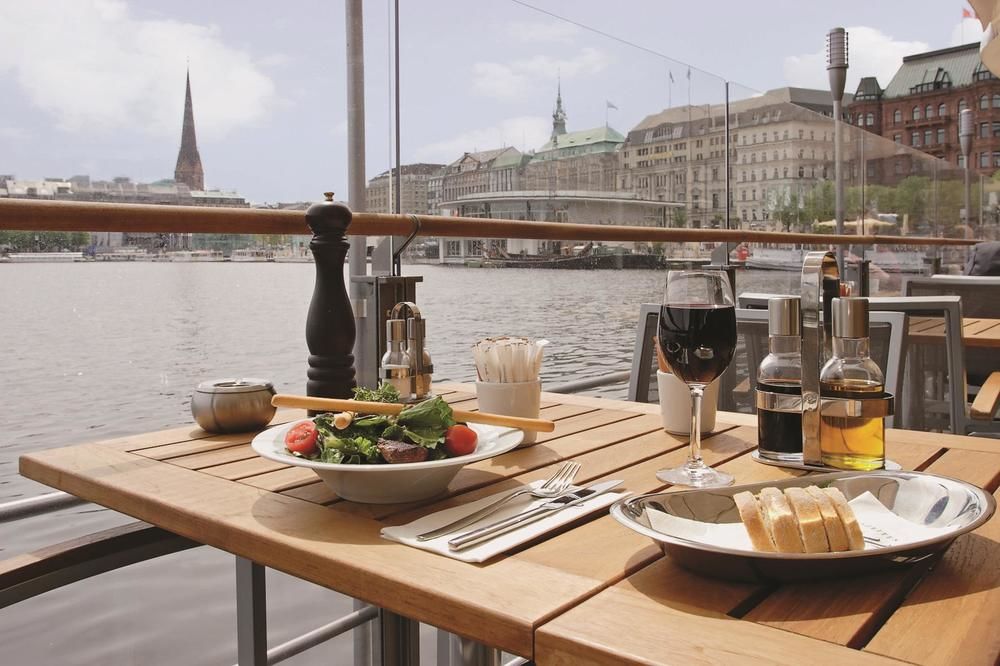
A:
927, 500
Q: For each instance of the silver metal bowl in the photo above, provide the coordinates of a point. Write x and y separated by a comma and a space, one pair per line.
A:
926, 499
233, 405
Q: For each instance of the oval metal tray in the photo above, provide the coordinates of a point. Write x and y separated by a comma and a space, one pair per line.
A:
927, 499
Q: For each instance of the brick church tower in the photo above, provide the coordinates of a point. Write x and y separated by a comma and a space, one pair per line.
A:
188, 170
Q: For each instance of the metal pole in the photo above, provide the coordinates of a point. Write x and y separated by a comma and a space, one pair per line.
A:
251, 614
727, 156
399, 173
364, 343
836, 66
965, 132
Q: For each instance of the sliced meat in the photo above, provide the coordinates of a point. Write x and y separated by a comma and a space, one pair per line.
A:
401, 452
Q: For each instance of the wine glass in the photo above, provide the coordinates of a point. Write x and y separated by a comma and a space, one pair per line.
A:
697, 336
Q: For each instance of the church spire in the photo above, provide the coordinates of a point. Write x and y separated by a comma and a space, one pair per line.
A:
188, 169
559, 115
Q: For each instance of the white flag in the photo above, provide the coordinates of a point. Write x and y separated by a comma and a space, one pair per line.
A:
612, 106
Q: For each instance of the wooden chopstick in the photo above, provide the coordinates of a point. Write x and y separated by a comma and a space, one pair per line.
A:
391, 409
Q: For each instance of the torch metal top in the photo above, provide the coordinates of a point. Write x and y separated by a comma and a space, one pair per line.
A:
836, 48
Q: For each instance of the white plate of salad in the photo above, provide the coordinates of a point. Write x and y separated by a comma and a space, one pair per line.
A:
385, 459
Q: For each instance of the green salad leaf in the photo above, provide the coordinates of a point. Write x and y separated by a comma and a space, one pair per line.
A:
433, 413
383, 393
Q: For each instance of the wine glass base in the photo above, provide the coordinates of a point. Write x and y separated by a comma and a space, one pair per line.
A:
696, 476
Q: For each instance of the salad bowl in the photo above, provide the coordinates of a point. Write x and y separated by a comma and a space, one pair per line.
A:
384, 483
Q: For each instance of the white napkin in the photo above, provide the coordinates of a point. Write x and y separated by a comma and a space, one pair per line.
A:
875, 519
407, 534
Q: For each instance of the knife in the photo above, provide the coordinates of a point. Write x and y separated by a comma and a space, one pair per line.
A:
463, 541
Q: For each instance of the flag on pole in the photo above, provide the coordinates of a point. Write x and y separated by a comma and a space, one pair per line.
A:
671, 76
689, 73
966, 13
611, 105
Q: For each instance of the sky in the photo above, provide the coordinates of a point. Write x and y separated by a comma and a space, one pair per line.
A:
97, 86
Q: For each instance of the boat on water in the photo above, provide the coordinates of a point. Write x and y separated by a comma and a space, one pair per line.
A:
195, 255
42, 257
252, 254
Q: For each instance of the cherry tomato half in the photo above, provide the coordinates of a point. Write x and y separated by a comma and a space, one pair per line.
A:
460, 440
302, 438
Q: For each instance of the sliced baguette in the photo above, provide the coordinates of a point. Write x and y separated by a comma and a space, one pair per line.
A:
834, 527
810, 520
780, 521
855, 539
753, 520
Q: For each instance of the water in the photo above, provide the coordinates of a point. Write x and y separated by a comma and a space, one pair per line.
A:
93, 351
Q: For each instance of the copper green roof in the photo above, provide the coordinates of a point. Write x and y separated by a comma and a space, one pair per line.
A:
584, 138
935, 69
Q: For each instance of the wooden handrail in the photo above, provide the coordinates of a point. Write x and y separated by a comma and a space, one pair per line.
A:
41, 215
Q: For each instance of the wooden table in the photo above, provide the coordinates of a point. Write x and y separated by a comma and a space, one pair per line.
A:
594, 593
976, 332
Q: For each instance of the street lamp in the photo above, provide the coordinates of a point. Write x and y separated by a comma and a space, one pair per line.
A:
965, 140
836, 67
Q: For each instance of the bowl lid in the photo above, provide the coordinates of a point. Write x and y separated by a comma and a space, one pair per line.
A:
244, 385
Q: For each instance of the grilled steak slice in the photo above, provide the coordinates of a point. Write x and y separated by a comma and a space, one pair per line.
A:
401, 452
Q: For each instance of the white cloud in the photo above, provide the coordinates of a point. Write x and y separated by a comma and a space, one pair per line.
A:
966, 31
13, 133
93, 66
522, 132
871, 53
515, 79
552, 31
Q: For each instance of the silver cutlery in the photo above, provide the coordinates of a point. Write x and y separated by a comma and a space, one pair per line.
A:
499, 527
556, 485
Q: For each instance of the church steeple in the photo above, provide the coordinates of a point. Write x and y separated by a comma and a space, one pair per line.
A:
559, 115
188, 169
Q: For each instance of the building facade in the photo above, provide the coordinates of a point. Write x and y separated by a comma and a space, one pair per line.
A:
415, 189
780, 145
920, 106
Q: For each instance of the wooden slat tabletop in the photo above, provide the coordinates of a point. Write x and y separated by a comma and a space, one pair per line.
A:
976, 332
593, 593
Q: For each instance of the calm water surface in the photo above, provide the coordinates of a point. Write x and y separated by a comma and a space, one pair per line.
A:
93, 351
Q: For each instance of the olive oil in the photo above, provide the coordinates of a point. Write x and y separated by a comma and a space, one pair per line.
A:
852, 442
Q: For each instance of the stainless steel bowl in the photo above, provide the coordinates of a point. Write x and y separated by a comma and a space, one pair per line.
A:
926, 499
233, 405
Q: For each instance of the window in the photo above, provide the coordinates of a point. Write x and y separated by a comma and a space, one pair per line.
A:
942, 110
929, 111
802, 172
861, 120
915, 114
915, 139
984, 103
743, 195
899, 167
715, 200
753, 193
928, 137
996, 129
961, 161
897, 138
996, 158
940, 135
996, 101
984, 160
984, 130
775, 176
785, 135
897, 116
785, 173
870, 119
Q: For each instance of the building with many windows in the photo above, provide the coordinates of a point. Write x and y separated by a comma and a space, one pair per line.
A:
920, 106
415, 192
781, 145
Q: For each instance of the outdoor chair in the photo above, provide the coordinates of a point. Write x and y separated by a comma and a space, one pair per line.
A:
740, 380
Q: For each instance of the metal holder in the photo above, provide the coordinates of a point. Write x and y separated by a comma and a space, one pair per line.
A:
820, 285
421, 367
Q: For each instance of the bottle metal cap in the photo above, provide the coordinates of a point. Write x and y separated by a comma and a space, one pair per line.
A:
395, 330
850, 317
784, 316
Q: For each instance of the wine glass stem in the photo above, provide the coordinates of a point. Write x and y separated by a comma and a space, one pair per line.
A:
694, 457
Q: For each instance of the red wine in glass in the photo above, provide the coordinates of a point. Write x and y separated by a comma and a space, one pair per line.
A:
698, 340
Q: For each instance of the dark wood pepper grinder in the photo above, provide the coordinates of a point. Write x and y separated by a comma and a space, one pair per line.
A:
330, 328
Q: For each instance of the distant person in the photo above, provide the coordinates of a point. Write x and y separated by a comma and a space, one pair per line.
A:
985, 259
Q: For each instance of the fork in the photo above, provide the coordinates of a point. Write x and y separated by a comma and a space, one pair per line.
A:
556, 485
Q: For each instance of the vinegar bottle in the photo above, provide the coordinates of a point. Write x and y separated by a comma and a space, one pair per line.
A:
851, 442
779, 383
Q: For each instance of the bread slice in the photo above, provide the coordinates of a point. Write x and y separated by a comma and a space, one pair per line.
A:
810, 520
835, 533
780, 521
753, 520
855, 539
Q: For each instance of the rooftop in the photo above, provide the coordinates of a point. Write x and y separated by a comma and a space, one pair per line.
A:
601, 134
921, 72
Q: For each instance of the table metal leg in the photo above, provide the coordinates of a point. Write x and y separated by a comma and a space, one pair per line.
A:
467, 652
251, 614
443, 648
399, 640
363, 639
